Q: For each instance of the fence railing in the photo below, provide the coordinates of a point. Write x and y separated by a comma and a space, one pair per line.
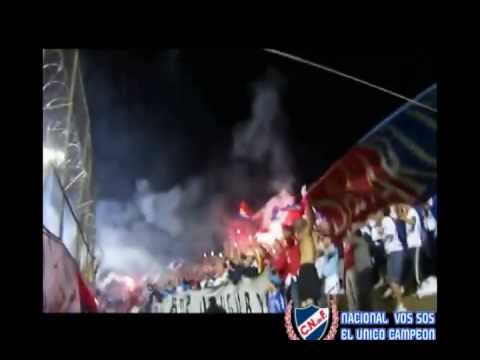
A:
67, 157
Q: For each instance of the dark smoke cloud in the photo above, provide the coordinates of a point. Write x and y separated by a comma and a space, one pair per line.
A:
153, 228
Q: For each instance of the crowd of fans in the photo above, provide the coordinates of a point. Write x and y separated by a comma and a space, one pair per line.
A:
394, 251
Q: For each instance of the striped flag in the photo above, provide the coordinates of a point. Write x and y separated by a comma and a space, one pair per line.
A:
395, 162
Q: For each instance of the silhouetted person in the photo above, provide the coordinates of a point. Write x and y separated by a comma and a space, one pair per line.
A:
214, 308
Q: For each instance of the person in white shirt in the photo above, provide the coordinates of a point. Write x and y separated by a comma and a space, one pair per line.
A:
429, 221
410, 216
395, 257
327, 266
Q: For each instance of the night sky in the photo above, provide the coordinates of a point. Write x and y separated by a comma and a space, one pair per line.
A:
167, 115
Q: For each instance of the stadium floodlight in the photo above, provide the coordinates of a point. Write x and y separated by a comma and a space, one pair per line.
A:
52, 156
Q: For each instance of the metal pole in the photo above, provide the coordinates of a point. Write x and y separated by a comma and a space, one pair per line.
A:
87, 149
62, 212
339, 73
68, 126
68, 122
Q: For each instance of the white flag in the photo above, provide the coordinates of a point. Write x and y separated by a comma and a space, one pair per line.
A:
60, 285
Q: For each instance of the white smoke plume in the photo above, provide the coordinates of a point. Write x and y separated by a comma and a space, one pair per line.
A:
147, 233
152, 229
261, 139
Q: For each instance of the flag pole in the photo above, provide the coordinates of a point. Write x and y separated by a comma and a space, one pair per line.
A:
339, 73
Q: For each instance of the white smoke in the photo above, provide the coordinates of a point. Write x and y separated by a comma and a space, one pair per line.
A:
261, 139
146, 233
159, 208
152, 229
122, 254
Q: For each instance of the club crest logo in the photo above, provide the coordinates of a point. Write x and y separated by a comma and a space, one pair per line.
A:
311, 322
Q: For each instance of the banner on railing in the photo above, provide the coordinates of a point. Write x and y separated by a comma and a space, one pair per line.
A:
248, 296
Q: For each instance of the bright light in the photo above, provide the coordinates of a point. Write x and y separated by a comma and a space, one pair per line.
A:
130, 283
238, 231
212, 253
204, 255
267, 238
52, 156
221, 255
236, 245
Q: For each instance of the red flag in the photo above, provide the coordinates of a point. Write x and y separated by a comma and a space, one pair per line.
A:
395, 163
87, 298
346, 194
245, 210
293, 215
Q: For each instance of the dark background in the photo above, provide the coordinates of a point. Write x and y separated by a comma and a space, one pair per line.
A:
168, 114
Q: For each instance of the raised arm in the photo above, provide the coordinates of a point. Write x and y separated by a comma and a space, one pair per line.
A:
307, 208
